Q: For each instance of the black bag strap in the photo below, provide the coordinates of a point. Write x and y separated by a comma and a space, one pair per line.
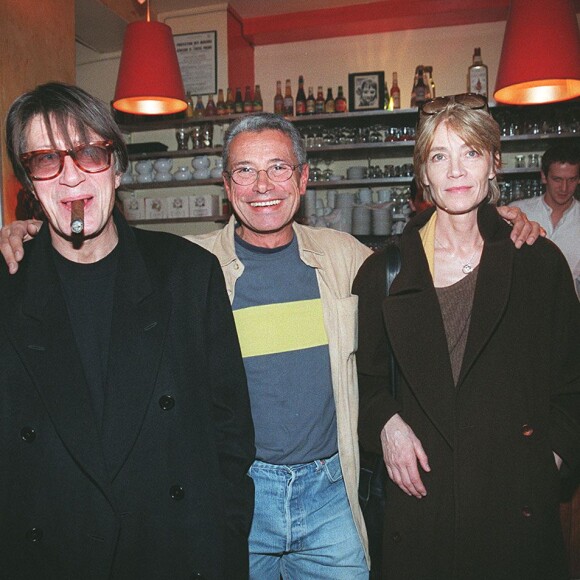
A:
393, 267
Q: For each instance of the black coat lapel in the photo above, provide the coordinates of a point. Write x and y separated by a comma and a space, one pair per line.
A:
417, 335
140, 318
493, 285
37, 323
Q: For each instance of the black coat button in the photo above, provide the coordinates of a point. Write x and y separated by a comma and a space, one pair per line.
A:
167, 402
526, 512
34, 535
527, 430
28, 434
177, 492
397, 538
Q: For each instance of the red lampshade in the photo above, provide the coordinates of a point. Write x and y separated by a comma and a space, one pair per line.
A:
540, 57
149, 81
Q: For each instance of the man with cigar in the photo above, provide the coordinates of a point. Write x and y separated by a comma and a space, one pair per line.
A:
125, 427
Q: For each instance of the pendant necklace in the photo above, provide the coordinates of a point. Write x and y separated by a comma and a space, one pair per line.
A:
467, 268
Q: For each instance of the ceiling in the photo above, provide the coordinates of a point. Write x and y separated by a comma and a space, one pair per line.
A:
100, 24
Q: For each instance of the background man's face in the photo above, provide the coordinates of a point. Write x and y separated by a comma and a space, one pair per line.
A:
561, 183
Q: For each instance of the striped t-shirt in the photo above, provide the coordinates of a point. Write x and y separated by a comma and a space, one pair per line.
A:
279, 319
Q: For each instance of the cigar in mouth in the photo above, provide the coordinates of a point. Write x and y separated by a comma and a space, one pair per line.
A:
77, 216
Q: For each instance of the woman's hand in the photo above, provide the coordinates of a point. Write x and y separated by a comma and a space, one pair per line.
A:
12, 238
523, 230
401, 450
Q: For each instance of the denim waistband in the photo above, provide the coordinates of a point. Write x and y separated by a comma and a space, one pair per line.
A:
316, 464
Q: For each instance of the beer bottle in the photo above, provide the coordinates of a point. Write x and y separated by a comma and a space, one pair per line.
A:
319, 104
288, 100
210, 108
230, 104
221, 104
199, 109
258, 103
189, 101
300, 97
396, 92
340, 101
310, 102
279, 99
238, 103
248, 102
420, 89
329, 103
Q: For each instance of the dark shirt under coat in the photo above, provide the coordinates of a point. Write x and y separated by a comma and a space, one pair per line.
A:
491, 510
164, 493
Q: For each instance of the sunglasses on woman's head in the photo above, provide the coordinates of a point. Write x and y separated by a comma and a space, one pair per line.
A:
470, 100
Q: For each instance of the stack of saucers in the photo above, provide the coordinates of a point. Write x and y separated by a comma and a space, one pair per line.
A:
309, 204
344, 202
382, 220
361, 220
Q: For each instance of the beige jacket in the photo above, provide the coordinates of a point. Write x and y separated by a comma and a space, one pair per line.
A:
336, 256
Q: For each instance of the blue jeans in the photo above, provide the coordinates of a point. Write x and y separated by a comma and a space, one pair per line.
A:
303, 527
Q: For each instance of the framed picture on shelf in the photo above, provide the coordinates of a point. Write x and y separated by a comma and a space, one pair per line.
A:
366, 91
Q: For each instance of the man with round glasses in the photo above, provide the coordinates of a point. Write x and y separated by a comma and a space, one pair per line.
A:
125, 425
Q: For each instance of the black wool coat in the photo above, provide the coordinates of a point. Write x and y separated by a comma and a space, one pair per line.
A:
491, 510
161, 492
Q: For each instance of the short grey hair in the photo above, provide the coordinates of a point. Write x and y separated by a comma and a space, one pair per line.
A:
258, 122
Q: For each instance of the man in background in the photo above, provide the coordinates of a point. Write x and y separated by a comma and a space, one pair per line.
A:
557, 211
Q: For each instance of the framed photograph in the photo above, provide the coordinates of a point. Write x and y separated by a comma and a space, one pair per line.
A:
197, 56
366, 91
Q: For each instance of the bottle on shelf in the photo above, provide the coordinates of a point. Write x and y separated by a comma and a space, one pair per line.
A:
477, 75
238, 103
230, 103
427, 81
329, 103
300, 107
288, 100
221, 104
279, 99
248, 106
189, 101
258, 103
310, 102
396, 92
420, 90
340, 101
199, 109
413, 93
319, 103
429, 70
386, 104
210, 108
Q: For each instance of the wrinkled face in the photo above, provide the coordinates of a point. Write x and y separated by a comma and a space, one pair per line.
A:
457, 174
265, 208
561, 183
97, 190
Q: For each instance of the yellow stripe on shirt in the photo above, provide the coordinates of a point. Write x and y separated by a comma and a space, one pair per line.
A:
284, 327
